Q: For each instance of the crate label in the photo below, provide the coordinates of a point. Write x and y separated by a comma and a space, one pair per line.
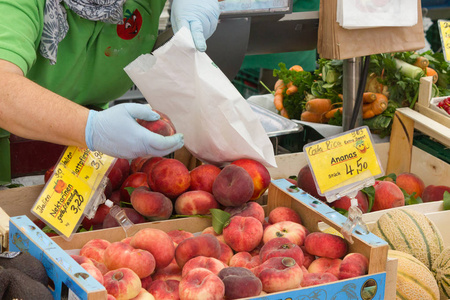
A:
75, 180
343, 160
444, 30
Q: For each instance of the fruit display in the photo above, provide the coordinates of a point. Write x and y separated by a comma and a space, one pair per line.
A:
250, 257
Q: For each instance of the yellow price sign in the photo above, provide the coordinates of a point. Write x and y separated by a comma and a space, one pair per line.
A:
76, 179
444, 30
343, 160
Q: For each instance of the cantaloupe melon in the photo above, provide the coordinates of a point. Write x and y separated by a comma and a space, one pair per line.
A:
441, 271
414, 279
411, 232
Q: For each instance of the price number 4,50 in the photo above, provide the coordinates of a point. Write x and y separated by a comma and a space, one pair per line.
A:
360, 166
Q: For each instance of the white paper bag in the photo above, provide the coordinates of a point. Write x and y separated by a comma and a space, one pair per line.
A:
357, 14
218, 124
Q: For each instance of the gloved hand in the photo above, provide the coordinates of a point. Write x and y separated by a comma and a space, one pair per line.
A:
115, 132
199, 16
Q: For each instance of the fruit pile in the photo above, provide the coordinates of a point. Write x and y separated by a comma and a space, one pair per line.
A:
252, 256
388, 191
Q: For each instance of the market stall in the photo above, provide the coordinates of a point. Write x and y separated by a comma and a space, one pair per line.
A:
356, 212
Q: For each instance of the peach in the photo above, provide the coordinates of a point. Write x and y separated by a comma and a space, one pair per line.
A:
101, 266
97, 221
410, 183
279, 274
243, 233
157, 242
240, 283
153, 205
162, 126
210, 230
147, 168
93, 271
311, 279
387, 195
171, 272
245, 260
178, 235
118, 173
281, 247
146, 281
209, 263
326, 245
233, 186
195, 203
201, 283
137, 163
170, 177
345, 202
135, 180
122, 283
94, 249
353, 265
259, 174
203, 176
165, 290
110, 297
305, 181
282, 213
202, 245
249, 209
226, 253
295, 232
121, 255
123, 165
434, 192
325, 265
81, 259
131, 214
143, 295
115, 197
308, 258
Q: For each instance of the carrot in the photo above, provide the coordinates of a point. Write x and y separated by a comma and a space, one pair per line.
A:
279, 84
296, 68
318, 105
376, 107
291, 88
432, 72
284, 113
308, 116
278, 101
329, 114
369, 97
422, 62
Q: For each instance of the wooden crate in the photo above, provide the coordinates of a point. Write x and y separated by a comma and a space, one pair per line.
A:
310, 209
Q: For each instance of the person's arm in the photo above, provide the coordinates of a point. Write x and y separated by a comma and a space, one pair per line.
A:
31, 111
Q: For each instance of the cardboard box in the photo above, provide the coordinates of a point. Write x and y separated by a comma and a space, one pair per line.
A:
26, 237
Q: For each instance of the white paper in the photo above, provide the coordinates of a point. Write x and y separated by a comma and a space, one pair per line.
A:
357, 14
218, 124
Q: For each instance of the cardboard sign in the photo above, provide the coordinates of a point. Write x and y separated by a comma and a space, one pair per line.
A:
74, 182
444, 31
343, 160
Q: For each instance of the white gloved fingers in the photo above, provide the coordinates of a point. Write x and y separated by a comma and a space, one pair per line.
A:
141, 111
163, 145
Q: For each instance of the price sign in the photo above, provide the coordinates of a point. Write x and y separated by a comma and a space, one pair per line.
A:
444, 31
66, 194
341, 161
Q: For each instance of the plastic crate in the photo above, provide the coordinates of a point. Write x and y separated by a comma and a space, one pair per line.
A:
434, 148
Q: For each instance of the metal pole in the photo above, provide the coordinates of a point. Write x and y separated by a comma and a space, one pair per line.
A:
351, 77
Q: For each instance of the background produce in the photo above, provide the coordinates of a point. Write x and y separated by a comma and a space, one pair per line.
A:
393, 81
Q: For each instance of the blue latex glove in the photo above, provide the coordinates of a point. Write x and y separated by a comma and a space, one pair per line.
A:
199, 16
115, 132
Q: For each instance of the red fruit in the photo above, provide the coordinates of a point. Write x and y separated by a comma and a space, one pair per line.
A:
134, 180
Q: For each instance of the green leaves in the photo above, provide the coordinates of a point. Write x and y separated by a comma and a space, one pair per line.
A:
220, 219
446, 200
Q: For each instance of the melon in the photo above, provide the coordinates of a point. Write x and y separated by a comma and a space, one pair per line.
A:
411, 232
414, 279
441, 271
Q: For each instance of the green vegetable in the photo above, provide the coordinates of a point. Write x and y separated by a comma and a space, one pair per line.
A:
409, 70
